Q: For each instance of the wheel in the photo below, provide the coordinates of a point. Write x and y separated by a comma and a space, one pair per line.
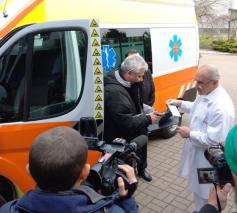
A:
7, 190
2, 200
171, 130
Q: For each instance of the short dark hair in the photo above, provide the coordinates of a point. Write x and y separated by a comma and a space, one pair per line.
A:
56, 158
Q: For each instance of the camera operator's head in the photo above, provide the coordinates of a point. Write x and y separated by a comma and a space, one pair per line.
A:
57, 159
231, 153
133, 68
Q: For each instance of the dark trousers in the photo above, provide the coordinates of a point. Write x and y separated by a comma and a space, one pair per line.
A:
141, 152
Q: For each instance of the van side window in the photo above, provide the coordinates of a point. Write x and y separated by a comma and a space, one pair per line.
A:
56, 72
50, 84
12, 82
116, 42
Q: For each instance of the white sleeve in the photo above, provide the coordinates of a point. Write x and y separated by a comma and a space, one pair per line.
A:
185, 106
215, 132
201, 139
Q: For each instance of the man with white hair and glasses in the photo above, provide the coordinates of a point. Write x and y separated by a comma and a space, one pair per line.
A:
124, 116
211, 117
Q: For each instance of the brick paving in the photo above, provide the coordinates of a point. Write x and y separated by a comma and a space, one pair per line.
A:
167, 192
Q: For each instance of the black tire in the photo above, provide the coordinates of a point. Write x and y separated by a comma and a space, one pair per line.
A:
7, 191
171, 130
2, 200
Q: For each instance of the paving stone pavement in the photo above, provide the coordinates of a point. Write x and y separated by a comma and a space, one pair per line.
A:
167, 192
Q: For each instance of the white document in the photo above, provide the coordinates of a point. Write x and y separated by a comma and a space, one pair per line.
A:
173, 109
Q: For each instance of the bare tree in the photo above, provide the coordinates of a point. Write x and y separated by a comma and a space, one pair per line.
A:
208, 10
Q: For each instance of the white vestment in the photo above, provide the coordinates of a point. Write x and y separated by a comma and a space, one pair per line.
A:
211, 117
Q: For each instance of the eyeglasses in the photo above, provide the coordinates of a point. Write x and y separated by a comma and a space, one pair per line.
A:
202, 83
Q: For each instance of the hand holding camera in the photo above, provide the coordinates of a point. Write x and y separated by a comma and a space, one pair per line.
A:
220, 175
118, 162
130, 174
220, 172
222, 194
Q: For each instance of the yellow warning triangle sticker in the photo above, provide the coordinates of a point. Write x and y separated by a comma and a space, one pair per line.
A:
93, 23
98, 81
94, 33
98, 107
98, 115
97, 62
96, 53
95, 43
98, 98
97, 71
98, 90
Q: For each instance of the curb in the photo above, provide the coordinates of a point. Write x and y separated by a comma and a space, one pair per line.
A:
215, 52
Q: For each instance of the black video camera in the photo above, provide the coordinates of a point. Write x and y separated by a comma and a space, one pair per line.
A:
103, 175
220, 173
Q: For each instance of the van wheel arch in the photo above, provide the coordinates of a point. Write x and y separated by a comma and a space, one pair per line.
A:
7, 190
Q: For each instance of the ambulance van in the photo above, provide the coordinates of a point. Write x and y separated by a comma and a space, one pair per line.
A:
53, 55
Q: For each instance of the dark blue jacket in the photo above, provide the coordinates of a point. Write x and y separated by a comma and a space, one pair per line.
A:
36, 201
208, 209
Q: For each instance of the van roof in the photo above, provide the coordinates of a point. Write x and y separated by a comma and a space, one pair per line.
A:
108, 12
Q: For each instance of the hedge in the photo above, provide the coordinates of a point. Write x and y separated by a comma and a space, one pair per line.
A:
225, 46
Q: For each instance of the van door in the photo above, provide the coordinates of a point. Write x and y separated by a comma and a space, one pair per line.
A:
46, 80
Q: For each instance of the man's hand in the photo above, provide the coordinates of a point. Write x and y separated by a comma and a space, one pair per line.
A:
184, 131
174, 102
222, 195
154, 116
129, 171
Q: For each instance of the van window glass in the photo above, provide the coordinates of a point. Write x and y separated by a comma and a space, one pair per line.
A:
116, 42
12, 82
58, 60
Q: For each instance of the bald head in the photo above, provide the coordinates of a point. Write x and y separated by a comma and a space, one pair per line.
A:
210, 71
207, 79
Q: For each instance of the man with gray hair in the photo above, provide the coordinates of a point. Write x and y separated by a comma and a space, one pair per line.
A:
124, 116
211, 117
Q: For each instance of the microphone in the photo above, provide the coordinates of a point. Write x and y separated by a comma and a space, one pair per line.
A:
131, 147
140, 141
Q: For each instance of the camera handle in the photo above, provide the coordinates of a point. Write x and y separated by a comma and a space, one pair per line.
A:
217, 198
130, 187
125, 179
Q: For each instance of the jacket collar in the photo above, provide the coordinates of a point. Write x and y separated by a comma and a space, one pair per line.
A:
212, 95
121, 80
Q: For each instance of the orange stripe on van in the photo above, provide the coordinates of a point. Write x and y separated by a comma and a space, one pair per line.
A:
15, 142
14, 21
168, 86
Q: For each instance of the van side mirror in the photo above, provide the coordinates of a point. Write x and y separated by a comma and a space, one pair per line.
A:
88, 129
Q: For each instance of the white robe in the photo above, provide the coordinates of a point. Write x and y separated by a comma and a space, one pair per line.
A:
211, 117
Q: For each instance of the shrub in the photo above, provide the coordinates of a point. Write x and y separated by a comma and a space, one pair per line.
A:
205, 42
225, 46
